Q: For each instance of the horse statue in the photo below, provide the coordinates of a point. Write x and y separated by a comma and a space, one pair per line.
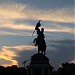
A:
40, 41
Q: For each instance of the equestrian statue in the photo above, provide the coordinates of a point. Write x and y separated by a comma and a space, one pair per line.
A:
40, 40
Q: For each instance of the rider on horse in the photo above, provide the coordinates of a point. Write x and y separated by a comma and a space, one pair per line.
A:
39, 41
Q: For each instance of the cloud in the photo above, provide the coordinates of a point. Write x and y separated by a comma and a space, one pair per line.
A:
22, 47
7, 53
9, 14
54, 36
3, 61
58, 15
27, 12
47, 4
58, 24
73, 61
48, 27
63, 29
64, 52
14, 40
29, 27
18, 27
59, 51
15, 33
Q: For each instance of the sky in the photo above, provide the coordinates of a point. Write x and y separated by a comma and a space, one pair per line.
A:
17, 23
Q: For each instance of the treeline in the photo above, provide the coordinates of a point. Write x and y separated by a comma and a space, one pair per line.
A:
65, 69
12, 70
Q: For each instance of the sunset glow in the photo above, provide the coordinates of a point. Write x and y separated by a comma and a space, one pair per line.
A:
17, 23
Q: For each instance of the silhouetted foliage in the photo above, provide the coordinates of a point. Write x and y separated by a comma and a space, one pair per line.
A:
65, 69
2, 70
12, 70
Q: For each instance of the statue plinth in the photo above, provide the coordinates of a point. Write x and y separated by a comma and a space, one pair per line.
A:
39, 65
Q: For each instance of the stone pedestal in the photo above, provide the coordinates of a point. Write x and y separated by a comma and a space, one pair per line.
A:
39, 65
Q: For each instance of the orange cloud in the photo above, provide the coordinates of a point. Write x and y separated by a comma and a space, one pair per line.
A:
20, 27
26, 12
20, 11
8, 53
22, 47
58, 15
61, 29
11, 12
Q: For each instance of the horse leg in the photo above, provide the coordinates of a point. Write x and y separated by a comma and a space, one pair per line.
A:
38, 51
42, 51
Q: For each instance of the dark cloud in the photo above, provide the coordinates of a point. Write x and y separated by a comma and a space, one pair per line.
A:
15, 30
70, 25
44, 23
59, 36
24, 55
10, 40
25, 21
47, 4
63, 52
7, 2
54, 24
3, 61
15, 40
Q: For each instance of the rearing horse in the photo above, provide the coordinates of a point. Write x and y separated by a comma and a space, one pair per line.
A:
39, 41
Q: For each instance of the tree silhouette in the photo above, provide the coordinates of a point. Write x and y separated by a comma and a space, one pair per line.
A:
65, 69
12, 70
2, 70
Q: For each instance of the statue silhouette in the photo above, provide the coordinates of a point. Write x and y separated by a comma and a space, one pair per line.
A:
40, 41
